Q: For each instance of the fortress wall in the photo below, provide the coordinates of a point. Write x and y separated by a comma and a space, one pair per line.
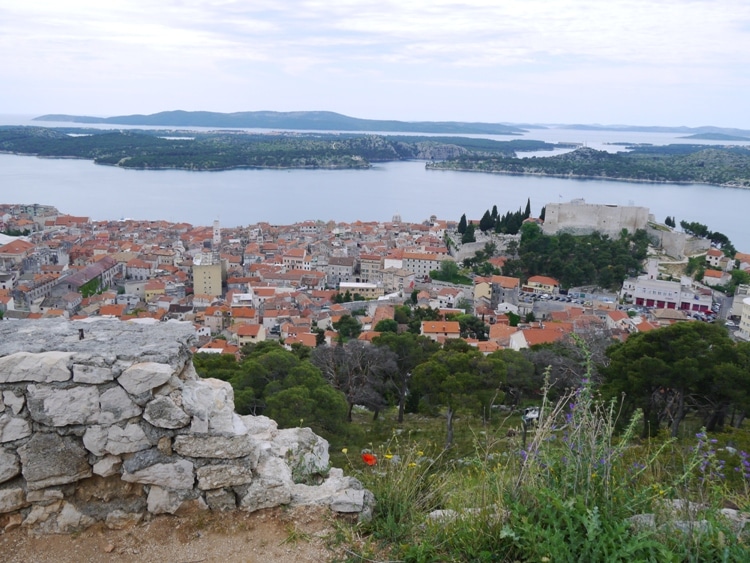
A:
582, 218
108, 422
677, 244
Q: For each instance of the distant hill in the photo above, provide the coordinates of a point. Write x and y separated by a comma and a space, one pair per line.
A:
716, 137
296, 120
706, 129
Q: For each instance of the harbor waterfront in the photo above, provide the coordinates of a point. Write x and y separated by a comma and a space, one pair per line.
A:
247, 196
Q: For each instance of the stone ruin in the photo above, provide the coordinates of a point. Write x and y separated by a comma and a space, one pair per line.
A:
108, 422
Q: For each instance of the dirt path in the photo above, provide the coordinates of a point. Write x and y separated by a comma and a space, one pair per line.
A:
302, 535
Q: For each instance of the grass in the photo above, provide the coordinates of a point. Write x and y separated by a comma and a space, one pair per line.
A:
567, 495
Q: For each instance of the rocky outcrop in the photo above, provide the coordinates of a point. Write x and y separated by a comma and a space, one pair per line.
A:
117, 426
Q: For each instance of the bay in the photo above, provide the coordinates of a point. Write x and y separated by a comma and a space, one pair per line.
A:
247, 196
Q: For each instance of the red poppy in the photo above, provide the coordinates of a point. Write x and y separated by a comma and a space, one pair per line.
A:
369, 459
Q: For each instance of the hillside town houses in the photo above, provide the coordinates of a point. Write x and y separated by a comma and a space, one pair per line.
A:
247, 284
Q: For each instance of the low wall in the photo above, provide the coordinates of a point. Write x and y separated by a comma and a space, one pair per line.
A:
108, 422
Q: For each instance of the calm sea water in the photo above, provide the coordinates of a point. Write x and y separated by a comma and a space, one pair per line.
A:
242, 197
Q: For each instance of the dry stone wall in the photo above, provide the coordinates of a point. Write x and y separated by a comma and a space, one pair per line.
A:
108, 422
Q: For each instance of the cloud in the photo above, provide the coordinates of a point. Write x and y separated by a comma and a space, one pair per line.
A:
144, 46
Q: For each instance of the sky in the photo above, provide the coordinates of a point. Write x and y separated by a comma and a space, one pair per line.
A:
636, 62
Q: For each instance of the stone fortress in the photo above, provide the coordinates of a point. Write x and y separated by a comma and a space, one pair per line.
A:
580, 218
108, 421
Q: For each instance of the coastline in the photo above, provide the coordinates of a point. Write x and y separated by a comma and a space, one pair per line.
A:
584, 177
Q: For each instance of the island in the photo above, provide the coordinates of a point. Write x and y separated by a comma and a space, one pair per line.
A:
679, 163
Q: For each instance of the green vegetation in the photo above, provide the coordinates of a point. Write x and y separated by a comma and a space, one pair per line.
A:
579, 487
727, 166
593, 259
232, 149
91, 287
450, 272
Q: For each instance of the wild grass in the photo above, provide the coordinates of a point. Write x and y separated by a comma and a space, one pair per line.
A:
577, 489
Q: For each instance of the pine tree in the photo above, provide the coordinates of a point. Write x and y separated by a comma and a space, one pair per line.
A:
486, 223
462, 224
527, 213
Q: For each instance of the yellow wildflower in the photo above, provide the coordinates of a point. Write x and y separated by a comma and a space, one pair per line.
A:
344, 451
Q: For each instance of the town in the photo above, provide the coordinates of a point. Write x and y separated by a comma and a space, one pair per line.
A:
295, 283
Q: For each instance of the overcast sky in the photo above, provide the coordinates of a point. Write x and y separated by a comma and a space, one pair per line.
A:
638, 62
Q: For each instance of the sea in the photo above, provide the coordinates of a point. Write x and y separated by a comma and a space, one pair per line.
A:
405, 189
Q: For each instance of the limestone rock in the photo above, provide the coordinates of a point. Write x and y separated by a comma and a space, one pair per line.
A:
93, 375
41, 513
126, 440
116, 406
306, 452
9, 465
143, 377
70, 519
274, 472
211, 404
11, 499
164, 413
95, 439
45, 495
44, 367
14, 402
342, 494
219, 476
221, 500
150, 467
13, 428
260, 427
167, 501
261, 494
130, 342
216, 447
62, 407
48, 459
109, 465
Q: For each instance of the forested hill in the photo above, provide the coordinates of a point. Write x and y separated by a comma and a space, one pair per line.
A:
726, 166
294, 120
224, 150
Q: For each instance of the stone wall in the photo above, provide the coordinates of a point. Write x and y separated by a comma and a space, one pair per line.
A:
580, 218
108, 421
677, 244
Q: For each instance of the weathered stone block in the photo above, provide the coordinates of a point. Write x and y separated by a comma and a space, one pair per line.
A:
62, 407
14, 402
168, 501
219, 476
13, 428
44, 367
116, 405
153, 468
109, 465
164, 413
216, 447
50, 459
10, 466
11, 499
95, 439
143, 377
126, 440
260, 495
211, 404
221, 500
93, 375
